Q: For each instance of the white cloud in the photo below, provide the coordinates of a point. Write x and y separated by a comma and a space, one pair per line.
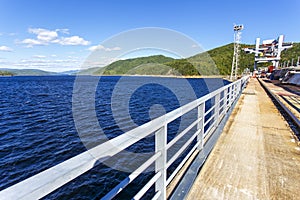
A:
103, 61
3, 61
45, 37
39, 56
100, 47
115, 49
5, 48
74, 40
63, 30
31, 42
48, 64
95, 48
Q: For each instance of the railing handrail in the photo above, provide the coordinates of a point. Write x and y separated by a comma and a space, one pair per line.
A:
51, 179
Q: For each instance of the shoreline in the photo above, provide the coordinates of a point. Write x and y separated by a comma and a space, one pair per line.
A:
130, 75
164, 76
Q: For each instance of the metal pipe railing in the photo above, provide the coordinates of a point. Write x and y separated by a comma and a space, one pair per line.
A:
51, 179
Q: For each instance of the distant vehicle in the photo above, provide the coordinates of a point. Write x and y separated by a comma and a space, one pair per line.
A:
263, 74
271, 68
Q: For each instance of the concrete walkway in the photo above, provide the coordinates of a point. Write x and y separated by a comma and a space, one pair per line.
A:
256, 157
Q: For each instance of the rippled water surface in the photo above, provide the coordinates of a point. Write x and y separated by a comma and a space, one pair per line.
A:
37, 128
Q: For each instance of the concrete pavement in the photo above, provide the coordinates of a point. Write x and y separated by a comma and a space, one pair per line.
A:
256, 156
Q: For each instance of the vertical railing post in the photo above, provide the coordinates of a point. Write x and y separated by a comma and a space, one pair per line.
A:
217, 109
237, 89
230, 96
225, 101
161, 162
234, 92
240, 86
200, 125
245, 82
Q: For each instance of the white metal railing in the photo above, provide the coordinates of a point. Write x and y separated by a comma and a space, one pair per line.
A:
51, 179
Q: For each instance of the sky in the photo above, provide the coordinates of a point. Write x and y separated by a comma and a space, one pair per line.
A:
59, 35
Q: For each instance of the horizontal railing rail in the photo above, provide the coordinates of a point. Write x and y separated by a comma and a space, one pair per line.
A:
53, 178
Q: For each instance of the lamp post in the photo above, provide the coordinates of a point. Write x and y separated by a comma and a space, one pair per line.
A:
235, 60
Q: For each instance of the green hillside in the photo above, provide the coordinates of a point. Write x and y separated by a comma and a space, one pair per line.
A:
220, 60
5, 73
217, 61
290, 54
143, 65
28, 72
90, 71
213, 62
183, 67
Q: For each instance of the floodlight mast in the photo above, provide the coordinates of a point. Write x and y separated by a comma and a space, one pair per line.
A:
235, 60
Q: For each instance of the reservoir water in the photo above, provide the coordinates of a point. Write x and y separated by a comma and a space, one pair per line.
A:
37, 128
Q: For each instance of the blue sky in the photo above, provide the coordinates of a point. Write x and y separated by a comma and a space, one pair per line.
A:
58, 35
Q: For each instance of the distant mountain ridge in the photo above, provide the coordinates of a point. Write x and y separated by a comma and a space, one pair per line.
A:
28, 72
36, 72
213, 62
216, 61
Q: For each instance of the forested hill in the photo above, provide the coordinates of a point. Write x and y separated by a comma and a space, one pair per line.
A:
26, 72
222, 60
222, 57
142, 66
292, 53
217, 61
5, 73
213, 62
